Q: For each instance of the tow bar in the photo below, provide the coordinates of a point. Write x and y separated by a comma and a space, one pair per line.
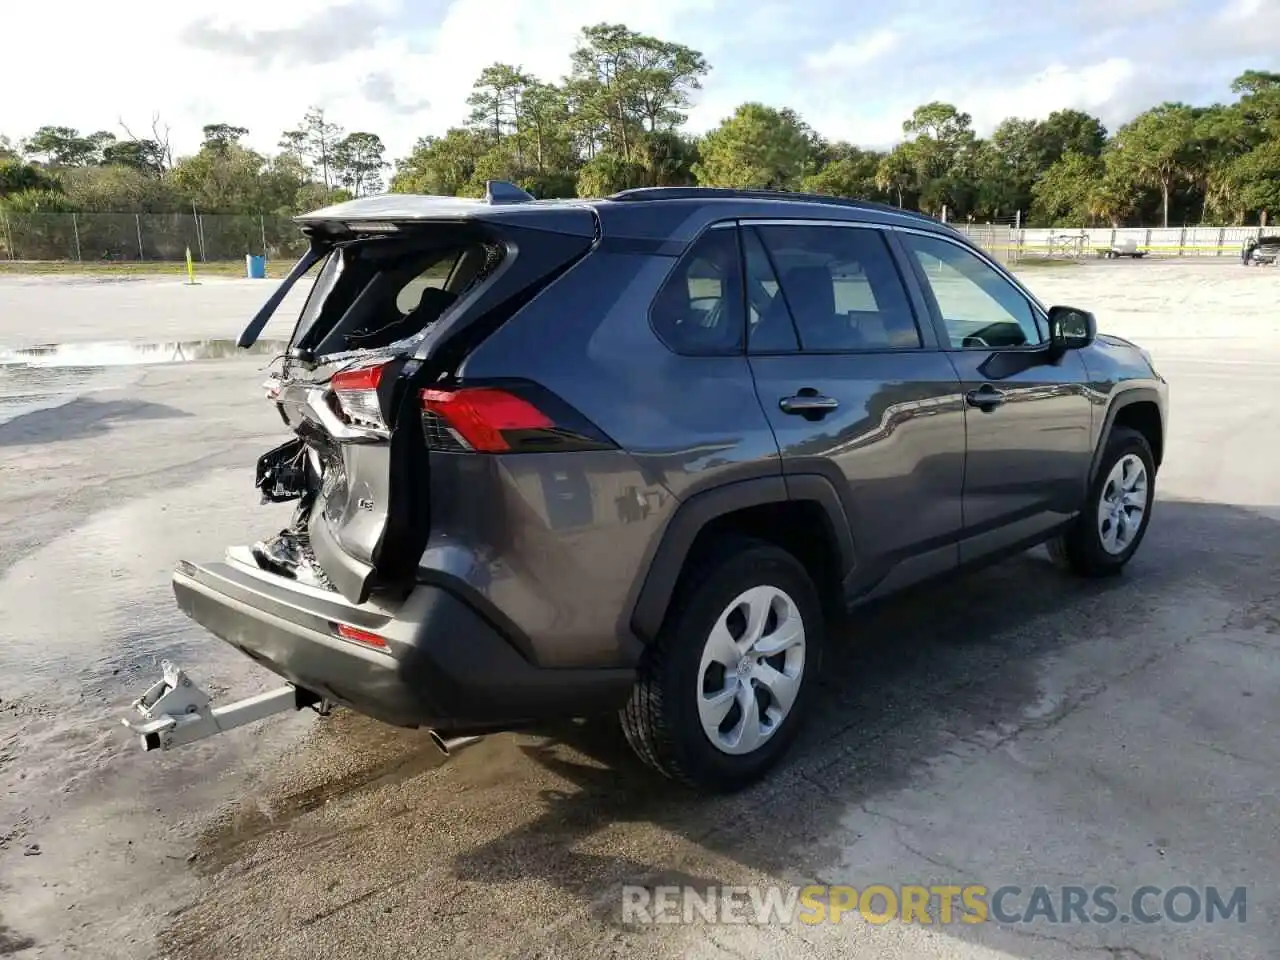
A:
174, 711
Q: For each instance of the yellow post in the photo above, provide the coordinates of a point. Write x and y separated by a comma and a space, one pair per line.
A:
191, 269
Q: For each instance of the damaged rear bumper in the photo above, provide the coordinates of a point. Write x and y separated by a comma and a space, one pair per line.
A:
431, 661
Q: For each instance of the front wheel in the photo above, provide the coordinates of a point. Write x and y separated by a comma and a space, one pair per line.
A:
1114, 520
724, 687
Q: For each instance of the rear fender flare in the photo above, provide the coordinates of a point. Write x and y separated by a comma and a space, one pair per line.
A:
692, 516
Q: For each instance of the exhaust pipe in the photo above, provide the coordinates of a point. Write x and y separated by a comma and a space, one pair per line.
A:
452, 745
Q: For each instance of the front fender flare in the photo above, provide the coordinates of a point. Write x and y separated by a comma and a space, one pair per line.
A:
1123, 397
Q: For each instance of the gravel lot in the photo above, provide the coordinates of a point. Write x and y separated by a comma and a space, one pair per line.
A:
1019, 727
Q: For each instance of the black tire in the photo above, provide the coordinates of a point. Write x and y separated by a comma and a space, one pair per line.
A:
1080, 548
661, 719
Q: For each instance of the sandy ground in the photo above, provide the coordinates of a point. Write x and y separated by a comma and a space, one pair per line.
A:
1018, 728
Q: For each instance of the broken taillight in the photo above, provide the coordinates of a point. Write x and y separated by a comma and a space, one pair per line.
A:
512, 418
356, 397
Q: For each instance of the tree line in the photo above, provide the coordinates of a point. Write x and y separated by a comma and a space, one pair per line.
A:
617, 120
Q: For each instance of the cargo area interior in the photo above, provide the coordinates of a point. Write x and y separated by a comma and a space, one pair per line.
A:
373, 292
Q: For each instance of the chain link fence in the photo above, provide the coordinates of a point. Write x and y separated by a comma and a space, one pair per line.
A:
1000, 240
149, 237
135, 237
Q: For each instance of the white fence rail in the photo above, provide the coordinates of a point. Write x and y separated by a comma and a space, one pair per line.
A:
1017, 243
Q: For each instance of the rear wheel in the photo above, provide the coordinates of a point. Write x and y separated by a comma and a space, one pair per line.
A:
724, 688
1108, 531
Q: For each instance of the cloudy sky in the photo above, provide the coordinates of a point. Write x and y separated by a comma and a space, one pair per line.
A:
402, 68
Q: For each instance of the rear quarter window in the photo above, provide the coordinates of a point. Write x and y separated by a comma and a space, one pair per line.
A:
698, 310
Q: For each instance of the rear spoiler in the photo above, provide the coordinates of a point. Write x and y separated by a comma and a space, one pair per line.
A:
387, 210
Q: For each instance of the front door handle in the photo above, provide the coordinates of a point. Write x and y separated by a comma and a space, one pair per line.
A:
808, 403
985, 398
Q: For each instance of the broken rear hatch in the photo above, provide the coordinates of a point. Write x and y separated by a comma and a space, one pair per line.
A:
403, 288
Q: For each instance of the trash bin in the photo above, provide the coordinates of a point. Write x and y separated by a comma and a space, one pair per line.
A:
255, 268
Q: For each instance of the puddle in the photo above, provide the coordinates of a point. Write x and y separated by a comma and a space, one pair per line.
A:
125, 353
49, 375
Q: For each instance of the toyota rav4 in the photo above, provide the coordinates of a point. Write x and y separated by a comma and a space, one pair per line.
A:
575, 458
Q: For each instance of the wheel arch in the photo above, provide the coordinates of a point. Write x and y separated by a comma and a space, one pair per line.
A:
786, 511
1138, 408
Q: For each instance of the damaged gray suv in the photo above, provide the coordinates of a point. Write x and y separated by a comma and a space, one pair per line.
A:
626, 456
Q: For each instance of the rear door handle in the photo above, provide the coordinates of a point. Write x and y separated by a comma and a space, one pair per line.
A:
985, 398
808, 404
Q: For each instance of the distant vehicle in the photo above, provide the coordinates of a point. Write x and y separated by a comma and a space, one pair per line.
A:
569, 458
1123, 247
1261, 250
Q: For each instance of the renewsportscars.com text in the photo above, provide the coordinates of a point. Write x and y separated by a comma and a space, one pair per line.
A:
940, 904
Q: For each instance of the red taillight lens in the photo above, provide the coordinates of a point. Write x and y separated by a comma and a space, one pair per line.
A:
516, 417
356, 635
480, 415
356, 392
362, 378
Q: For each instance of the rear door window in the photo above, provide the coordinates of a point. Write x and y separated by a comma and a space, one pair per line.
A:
838, 284
770, 328
698, 310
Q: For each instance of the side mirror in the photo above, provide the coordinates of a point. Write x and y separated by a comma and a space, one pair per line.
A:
1071, 328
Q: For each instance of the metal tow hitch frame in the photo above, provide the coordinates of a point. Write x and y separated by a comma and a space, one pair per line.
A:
174, 711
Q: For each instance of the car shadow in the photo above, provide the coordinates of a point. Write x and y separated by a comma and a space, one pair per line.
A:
915, 681
80, 418
903, 682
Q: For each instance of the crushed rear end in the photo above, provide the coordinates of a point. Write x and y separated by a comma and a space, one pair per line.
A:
403, 288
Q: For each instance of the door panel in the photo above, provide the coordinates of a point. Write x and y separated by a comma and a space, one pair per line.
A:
1027, 417
1028, 457
854, 395
896, 440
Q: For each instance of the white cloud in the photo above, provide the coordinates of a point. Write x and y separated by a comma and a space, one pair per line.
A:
1090, 87
1248, 27
844, 55
1240, 10
195, 64
385, 66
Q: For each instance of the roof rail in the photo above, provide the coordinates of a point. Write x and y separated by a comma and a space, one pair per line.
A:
503, 191
728, 193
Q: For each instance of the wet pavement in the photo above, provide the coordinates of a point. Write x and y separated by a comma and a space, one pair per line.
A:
68, 309
99, 498
1016, 726
45, 376
126, 353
